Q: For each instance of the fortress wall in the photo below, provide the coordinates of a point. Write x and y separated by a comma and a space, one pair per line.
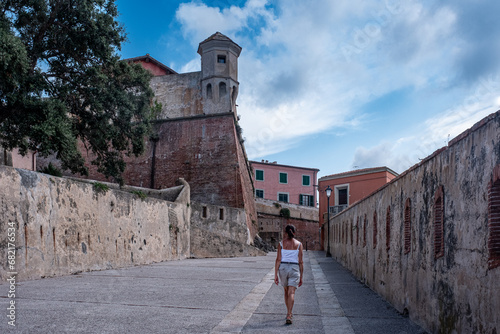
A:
218, 231
63, 226
452, 292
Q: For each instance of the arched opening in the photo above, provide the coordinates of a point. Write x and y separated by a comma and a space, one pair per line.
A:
222, 89
209, 91
234, 94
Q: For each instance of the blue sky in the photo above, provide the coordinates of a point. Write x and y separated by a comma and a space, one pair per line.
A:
339, 85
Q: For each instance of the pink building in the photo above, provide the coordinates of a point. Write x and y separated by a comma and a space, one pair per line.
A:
15, 159
284, 183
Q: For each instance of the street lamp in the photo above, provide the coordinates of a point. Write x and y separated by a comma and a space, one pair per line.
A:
328, 193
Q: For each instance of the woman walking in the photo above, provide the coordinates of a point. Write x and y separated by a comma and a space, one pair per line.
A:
289, 268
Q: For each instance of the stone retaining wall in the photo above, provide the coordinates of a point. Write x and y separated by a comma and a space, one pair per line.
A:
63, 226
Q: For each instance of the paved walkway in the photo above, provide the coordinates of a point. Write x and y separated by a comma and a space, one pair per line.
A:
235, 295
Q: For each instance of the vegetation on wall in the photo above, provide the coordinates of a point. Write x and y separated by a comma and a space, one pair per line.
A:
51, 170
285, 212
61, 81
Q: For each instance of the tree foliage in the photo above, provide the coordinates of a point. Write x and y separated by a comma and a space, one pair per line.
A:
61, 81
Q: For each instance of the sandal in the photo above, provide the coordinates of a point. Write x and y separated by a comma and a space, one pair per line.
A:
289, 320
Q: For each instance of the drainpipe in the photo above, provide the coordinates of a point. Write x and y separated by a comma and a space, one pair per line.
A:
154, 140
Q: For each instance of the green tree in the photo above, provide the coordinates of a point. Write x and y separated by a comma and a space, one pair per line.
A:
61, 81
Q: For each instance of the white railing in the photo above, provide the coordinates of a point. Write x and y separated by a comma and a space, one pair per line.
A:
337, 208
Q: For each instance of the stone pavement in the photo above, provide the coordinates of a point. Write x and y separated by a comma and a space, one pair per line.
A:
234, 295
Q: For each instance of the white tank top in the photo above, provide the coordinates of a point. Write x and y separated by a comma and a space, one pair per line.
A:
288, 255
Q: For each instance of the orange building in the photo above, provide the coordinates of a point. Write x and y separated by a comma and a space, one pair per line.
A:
350, 187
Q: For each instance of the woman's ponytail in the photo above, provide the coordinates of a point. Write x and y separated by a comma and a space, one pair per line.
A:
290, 231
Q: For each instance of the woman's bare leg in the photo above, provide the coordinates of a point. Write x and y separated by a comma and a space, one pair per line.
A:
291, 299
286, 300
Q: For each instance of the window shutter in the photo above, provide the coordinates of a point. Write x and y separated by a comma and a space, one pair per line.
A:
407, 227
438, 224
494, 219
388, 229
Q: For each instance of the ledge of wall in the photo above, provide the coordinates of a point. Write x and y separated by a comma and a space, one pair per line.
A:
296, 211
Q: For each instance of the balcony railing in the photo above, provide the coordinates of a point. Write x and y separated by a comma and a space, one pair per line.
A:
337, 209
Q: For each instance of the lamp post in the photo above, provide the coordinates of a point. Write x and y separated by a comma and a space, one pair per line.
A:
328, 193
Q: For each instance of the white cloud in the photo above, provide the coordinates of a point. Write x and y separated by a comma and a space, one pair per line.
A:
436, 131
309, 66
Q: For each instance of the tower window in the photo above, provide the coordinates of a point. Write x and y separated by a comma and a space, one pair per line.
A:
209, 91
221, 59
222, 89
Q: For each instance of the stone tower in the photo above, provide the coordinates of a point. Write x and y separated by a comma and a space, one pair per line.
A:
219, 74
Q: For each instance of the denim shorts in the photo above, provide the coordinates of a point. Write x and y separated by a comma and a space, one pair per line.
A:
289, 274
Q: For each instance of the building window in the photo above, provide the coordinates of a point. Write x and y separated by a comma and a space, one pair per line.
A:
283, 197
388, 228
204, 212
221, 59
407, 227
259, 193
221, 214
439, 223
342, 194
259, 175
306, 180
306, 200
494, 219
375, 229
283, 178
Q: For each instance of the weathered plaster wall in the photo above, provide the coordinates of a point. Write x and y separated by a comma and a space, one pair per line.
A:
179, 94
218, 231
455, 293
65, 226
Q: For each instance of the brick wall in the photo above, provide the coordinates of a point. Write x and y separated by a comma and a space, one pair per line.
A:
207, 152
271, 225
